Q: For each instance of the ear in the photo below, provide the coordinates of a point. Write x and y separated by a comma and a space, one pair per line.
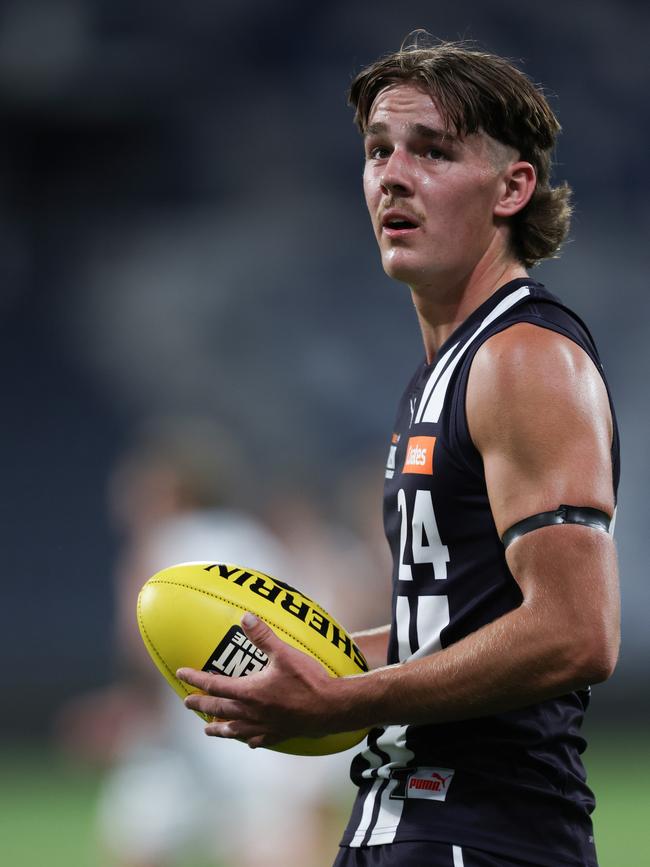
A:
519, 183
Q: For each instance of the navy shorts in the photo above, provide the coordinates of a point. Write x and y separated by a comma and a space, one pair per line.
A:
421, 854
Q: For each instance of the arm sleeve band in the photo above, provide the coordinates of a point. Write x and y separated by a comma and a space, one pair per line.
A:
564, 515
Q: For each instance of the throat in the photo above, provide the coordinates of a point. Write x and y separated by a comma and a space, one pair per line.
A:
440, 312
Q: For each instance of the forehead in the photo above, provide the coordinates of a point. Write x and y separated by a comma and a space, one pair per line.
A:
404, 104
406, 109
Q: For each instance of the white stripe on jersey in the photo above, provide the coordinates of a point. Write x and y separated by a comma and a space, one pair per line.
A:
435, 373
390, 812
431, 618
403, 621
366, 813
429, 410
457, 852
392, 741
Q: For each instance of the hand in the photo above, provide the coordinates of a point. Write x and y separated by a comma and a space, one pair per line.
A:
288, 698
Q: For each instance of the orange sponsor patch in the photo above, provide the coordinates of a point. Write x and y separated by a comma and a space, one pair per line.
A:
419, 455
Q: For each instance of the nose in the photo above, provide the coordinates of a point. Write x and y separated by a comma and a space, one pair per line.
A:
396, 179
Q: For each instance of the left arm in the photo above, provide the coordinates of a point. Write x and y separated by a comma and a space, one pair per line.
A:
544, 441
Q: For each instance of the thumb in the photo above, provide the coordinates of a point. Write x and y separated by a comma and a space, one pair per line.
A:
260, 634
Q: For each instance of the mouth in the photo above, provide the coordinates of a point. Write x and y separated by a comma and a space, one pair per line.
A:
394, 224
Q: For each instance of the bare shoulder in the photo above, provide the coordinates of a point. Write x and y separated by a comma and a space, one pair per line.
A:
539, 414
529, 356
537, 374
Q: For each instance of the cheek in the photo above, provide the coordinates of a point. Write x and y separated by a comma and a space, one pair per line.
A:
369, 188
372, 196
488, 189
478, 205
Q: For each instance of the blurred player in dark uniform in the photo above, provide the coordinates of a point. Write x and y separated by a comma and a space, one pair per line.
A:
500, 493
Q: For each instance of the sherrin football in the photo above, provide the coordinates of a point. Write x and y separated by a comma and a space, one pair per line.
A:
189, 616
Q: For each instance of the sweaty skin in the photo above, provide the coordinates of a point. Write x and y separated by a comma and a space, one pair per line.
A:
542, 442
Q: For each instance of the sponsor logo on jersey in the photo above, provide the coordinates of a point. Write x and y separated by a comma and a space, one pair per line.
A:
236, 656
428, 784
412, 402
419, 455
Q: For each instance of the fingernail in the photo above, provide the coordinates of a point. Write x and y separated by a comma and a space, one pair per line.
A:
249, 620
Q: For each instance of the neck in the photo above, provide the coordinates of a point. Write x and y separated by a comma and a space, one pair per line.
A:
441, 308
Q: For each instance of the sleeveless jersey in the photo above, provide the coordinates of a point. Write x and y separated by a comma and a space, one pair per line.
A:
512, 783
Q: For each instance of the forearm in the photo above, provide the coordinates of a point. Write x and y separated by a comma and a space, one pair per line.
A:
373, 643
507, 664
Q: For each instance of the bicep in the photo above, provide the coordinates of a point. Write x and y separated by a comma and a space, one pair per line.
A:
539, 414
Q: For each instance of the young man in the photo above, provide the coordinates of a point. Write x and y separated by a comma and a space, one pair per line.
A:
500, 488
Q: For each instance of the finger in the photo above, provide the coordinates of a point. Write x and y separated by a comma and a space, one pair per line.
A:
239, 729
201, 679
261, 634
263, 741
218, 707
212, 684
220, 729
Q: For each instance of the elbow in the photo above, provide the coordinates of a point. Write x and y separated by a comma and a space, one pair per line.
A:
593, 635
598, 668
594, 661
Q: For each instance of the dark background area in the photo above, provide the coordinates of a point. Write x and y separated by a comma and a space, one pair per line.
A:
182, 233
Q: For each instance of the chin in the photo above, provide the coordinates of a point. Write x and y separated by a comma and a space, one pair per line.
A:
403, 268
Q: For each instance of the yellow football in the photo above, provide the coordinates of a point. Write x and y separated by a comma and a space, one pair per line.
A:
189, 615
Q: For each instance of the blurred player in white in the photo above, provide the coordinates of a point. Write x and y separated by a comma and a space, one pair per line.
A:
167, 791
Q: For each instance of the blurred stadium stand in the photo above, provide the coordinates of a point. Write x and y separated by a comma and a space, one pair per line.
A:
182, 232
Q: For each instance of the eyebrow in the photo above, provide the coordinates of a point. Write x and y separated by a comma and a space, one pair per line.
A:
421, 129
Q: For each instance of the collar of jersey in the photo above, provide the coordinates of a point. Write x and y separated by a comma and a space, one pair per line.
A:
477, 316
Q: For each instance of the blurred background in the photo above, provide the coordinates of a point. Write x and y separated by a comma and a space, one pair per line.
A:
191, 291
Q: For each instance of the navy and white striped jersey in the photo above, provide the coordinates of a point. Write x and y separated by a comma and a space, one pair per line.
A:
511, 783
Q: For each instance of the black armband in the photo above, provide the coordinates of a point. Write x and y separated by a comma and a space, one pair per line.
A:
584, 515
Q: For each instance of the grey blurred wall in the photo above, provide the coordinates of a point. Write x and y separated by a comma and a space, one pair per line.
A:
182, 232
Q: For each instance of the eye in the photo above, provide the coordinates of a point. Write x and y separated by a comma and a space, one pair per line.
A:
378, 152
435, 154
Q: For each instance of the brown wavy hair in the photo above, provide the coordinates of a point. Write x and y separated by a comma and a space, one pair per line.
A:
476, 91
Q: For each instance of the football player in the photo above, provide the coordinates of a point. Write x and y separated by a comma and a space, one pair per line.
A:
500, 494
